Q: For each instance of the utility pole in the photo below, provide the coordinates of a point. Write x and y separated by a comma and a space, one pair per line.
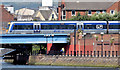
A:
107, 27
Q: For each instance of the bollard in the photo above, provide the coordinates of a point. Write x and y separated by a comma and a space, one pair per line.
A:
71, 53
68, 53
94, 53
98, 54
105, 53
91, 54
77, 53
112, 53
81, 53
116, 54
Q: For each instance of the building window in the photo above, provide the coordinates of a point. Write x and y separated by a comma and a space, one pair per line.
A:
73, 12
52, 16
89, 12
98, 12
64, 15
103, 11
111, 11
57, 10
64, 12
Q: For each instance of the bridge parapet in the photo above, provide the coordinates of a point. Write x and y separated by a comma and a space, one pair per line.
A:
32, 38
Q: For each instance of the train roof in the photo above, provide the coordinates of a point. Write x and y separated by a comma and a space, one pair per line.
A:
45, 21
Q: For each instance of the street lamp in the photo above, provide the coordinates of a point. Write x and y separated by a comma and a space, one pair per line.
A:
52, 37
102, 43
84, 34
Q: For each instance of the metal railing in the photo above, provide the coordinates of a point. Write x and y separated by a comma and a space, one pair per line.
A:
80, 53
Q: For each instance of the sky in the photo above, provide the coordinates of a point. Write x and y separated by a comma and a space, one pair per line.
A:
34, 4
31, 5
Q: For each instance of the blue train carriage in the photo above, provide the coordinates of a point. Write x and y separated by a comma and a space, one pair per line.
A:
94, 26
58, 27
43, 27
18, 27
114, 27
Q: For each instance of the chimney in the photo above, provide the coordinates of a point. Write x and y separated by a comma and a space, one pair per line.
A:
2, 6
63, 3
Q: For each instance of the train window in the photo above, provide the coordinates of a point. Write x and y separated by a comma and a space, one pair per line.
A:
62, 26
15, 27
114, 26
70, 27
104, 26
93, 27
57, 27
22, 27
89, 26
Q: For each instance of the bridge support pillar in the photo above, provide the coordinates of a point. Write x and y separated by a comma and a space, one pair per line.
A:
49, 45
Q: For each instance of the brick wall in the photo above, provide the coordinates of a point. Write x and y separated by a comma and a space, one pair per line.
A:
91, 44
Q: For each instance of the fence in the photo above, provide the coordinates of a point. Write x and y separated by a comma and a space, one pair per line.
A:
81, 53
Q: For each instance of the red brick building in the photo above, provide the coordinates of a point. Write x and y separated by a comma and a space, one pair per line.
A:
5, 16
94, 43
68, 9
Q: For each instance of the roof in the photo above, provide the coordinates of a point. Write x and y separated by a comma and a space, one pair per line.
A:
46, 13
24, 11
90, 5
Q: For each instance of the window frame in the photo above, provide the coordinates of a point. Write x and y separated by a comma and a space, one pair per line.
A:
89, 13
112, 12
98, 12
63, 15
74, 13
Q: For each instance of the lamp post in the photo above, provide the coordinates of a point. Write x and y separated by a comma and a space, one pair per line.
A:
102, 43
84, 34
46, 41
52, 37
74, 40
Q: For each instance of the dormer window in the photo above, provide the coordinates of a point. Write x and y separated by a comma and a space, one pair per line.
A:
112, 11
89, 12
73, 12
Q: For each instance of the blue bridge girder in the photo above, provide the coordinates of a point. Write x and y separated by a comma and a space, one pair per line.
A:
32, 38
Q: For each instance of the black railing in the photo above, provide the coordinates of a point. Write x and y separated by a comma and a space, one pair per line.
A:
80, 54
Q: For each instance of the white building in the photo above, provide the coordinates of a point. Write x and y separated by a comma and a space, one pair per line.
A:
47, 2
9, 9
24, 14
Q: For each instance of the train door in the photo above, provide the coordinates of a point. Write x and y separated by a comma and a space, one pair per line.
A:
36, 27
80, 25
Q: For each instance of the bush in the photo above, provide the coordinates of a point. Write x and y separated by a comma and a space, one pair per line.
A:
97, 17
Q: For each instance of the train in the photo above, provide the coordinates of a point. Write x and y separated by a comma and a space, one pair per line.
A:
63, 27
